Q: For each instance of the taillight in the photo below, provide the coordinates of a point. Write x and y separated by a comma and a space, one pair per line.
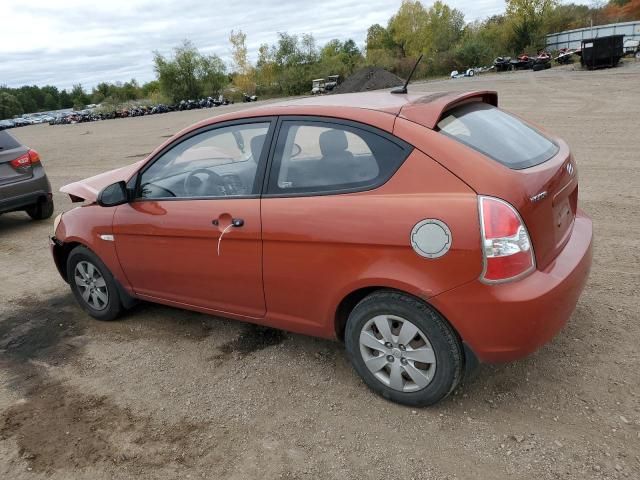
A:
506, 245
26, 160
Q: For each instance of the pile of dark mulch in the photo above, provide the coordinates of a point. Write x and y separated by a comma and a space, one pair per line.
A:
369, 78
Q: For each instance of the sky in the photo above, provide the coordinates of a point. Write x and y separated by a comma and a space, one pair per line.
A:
64, 42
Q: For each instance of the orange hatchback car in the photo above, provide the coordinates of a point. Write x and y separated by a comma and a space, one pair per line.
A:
426, 232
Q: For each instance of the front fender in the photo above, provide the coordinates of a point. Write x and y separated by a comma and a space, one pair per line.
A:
84, 226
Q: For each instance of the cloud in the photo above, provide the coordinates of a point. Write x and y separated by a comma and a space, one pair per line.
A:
74, 41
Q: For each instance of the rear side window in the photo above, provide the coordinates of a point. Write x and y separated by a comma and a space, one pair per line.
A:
498, 135
321, 157
7, 142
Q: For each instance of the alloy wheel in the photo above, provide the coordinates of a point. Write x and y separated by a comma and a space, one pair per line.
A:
397, 353
91, 285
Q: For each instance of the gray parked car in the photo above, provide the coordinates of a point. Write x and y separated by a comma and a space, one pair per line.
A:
4, 124
23, 183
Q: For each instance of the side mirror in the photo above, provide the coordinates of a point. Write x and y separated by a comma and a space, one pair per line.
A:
114, 194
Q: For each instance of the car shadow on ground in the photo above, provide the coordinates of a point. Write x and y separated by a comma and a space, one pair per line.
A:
16, 221
57, 328
149, 320
561, 362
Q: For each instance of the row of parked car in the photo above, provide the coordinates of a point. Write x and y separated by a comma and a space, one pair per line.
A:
24, 121
137, 110
132, 111
95, 114
524, 61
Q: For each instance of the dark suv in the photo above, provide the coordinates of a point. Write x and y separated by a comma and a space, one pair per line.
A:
23, 183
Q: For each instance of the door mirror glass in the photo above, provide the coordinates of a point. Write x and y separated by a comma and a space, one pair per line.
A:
114, 194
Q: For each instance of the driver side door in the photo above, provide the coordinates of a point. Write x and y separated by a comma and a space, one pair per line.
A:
192, 236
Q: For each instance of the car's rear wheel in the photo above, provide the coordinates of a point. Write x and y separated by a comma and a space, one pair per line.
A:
41, 210
93, 285
403, 349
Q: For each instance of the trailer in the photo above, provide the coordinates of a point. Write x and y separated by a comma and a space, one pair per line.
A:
572, 39
602, 52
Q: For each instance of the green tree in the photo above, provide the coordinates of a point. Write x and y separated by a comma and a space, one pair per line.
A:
567, 17
378, 38
150, 88
332, 48
337, 57
528, 17
50, 102
287, 50
130, 90
65, 99
407, 28
28, 103
51, 97
444, 27
416, 30
267, 70
211, 74
79, 97
189, 74
381, 51
9, 105
244, 77
472, 51
31, 97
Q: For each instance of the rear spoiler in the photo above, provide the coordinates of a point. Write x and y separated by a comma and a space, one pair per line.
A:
428, 110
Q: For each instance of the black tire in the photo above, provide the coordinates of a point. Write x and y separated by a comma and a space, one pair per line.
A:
444, 342
113, 307
41, 210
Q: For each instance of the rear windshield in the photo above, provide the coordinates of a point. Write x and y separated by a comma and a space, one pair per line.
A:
7, 142
498, 135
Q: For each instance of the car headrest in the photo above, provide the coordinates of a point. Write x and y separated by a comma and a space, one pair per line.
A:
256, 147
332, 142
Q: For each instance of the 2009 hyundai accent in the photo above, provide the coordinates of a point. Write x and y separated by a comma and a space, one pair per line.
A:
426, 232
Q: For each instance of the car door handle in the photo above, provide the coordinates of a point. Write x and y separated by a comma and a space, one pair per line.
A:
236, 222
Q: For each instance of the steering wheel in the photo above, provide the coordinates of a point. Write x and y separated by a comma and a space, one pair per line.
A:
195, 186
295, 150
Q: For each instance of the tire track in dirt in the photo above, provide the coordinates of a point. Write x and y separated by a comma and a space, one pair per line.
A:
58, 427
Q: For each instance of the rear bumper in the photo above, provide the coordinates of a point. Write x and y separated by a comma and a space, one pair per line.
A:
508, 321
24, 193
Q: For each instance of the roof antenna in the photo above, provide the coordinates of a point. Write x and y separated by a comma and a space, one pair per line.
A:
404, 88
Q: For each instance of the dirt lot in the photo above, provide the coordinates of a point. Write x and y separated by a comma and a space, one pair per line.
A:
172, 394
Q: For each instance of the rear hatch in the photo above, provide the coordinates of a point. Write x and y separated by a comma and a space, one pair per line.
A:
511, 160
10, 149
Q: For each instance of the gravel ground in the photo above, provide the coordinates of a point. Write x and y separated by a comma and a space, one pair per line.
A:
166, 393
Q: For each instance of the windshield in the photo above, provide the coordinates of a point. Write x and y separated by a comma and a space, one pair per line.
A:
498, 135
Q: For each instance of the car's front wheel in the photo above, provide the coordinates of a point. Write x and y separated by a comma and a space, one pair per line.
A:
403, 349
93, 285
